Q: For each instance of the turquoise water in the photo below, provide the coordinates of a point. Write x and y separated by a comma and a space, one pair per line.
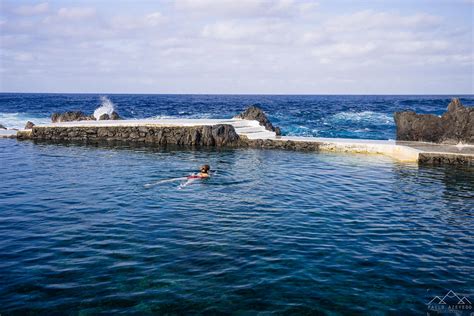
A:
271, 232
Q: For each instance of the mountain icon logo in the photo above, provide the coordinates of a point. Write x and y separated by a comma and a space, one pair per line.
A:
450, 298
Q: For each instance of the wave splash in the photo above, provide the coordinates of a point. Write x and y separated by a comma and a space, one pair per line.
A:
106, 107
18, 120
364, 118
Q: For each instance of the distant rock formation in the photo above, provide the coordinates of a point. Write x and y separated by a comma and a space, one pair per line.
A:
255, 113
70, 116
80, 116
29, 125
453, 127
2, 127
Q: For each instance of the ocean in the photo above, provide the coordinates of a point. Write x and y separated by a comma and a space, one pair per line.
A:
357, 116
88, 229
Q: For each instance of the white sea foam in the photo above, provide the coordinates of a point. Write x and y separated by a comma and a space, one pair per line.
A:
106, 107
367, 117
18, 120
148, 185
160, 117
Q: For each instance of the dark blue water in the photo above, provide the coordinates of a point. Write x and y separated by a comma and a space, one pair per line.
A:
323, 116
272, 232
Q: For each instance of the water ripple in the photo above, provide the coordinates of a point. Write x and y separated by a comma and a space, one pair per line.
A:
272, 231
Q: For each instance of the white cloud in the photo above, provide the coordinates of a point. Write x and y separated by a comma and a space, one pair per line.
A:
131, 23
23, 57
246, 8
258, 31
154, 19
27, 10
76, 13
374, 20
235, 46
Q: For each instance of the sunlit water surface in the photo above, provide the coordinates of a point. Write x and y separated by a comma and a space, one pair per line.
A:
271, 231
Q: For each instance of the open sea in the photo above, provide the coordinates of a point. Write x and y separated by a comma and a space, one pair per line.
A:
91, 230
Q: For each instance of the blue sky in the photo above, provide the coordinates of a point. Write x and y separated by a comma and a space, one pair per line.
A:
245, 46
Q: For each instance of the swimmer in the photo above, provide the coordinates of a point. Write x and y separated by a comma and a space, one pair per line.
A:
204, 173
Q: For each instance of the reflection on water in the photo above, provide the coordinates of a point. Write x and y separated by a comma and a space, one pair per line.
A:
273, 230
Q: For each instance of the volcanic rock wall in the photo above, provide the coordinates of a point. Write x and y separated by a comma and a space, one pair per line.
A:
454, 126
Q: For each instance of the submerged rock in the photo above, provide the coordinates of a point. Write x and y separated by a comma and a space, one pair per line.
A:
29, 125
453, 127
2, 127
70, 116
255, 113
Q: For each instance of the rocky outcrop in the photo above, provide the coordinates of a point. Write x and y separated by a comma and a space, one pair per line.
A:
29, 125
255, 113
80, 116
217, 135
113, 116
71, 116
453, 127
2, 127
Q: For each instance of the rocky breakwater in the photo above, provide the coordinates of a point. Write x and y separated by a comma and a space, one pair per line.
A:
216, 135
453, 127
221, 135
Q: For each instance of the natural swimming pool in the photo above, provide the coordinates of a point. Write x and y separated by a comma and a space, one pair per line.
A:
278, 231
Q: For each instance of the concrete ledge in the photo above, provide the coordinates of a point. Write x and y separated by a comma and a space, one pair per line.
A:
363, 146
8, 133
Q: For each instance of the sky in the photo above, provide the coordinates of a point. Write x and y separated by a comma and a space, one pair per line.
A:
238, 46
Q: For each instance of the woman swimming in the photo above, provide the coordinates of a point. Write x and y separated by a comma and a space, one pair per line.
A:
204, 173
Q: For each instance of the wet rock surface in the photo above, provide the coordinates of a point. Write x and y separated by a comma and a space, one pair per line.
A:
29, 125
70, 116
255, 113
445, 159
279, 144
114, 116
2, 126
104, 117
217, 135
454, 126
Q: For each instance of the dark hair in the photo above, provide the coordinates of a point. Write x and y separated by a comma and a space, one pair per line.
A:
205, 168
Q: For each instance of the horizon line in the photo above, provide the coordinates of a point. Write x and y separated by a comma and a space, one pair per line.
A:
250, 94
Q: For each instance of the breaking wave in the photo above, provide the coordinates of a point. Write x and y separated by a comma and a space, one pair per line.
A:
106, 107
18, 120
362, 118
